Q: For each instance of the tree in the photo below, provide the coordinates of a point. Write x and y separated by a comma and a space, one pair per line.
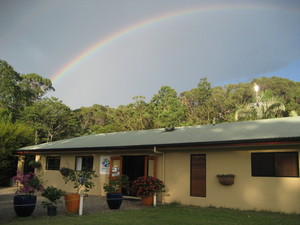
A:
34, 87
134, 116
281, 89
222, 106
18, 91
267, 104
261, 110
10, 91
12, 136
51, 119
96, 119
166, 108
197, 103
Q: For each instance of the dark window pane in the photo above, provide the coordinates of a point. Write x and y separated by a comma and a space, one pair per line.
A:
87, 163
84, 163
263, 164
279, 164
53, 163
286, 164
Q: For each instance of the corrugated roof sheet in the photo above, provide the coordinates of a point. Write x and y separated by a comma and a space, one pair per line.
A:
288, 127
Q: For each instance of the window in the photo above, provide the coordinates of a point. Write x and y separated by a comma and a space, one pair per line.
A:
198, 175
84, 163
52, 162
279, 164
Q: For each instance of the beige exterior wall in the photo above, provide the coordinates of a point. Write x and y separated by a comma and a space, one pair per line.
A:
54, 177
255, 193
173, 167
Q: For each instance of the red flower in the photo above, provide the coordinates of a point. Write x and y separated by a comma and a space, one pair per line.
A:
144, 186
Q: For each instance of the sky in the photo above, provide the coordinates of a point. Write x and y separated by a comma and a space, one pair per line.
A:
108, 51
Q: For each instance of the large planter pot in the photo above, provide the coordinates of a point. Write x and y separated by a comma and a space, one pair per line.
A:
147, 200
114, 200
72, 202
51, 211
24, 205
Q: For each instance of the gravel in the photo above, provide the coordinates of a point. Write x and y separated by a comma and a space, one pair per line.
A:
92, 204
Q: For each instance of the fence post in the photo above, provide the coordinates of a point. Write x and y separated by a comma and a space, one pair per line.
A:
154, 200
81, 203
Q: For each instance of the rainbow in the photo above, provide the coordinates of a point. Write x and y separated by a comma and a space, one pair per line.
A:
155, 20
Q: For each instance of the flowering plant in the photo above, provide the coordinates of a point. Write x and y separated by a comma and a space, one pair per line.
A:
145, 186
30, 183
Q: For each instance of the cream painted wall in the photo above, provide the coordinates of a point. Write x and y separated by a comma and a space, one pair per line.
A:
259, 193
54, 177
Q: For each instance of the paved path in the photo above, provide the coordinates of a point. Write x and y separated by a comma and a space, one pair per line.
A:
92, 204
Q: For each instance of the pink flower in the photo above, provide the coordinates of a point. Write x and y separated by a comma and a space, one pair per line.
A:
30, 183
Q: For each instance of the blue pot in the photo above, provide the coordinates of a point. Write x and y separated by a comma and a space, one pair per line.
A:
24, 205
114, 200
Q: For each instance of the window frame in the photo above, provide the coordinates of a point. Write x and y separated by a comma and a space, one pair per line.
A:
82, 160
274, 164
53, 167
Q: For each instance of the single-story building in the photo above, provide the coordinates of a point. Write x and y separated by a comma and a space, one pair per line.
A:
263, 155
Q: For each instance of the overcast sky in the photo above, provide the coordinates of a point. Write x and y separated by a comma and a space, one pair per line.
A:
149, 43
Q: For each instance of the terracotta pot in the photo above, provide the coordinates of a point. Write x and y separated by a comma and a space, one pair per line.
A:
147, 200
72, 202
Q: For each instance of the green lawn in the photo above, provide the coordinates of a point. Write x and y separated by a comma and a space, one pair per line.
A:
169, 214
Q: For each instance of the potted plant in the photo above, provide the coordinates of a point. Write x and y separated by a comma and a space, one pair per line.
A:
35, 164
146, 187
65, 171
226, 179
25, 201
114, 196
53, 195
82, 182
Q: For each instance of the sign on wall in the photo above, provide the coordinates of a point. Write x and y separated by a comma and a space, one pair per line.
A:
104, 164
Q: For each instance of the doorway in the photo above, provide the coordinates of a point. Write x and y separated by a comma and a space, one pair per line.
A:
133, 167
27, 168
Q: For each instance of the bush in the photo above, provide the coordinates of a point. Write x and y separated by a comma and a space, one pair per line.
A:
53, 195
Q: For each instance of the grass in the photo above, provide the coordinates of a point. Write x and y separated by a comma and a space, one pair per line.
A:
169, 214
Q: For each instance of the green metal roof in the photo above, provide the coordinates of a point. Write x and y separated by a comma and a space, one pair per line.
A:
258, 130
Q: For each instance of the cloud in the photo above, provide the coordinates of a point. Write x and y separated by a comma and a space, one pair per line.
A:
226, 46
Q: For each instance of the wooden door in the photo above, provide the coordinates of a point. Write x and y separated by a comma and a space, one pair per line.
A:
115, 167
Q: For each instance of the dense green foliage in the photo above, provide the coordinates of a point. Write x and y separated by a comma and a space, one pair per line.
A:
170, 215
16, 93
28, 117
51, 119
13, 135
201, 105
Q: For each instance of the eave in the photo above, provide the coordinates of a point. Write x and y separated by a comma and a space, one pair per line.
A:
244, 144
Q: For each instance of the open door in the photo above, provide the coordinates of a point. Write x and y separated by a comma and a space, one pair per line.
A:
150, 166
115, 168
